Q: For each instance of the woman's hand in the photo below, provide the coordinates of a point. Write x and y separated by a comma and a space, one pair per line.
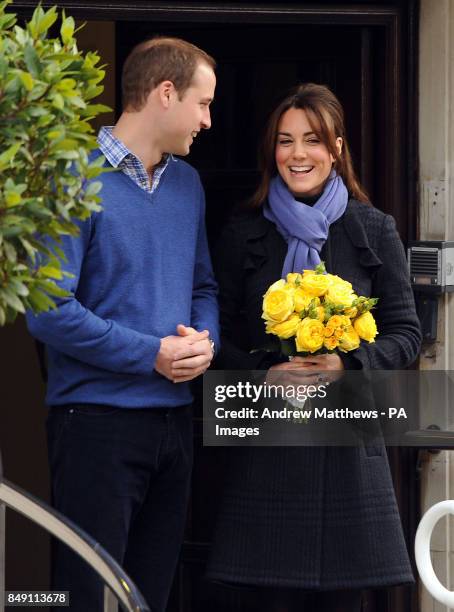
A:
327, 368
311, 370
291, 373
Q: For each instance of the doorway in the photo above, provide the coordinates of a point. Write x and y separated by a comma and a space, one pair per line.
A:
369, 67
366, 54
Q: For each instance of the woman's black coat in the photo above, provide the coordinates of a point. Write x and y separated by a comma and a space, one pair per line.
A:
326, 517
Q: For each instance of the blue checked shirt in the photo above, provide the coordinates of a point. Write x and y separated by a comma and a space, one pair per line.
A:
121, 157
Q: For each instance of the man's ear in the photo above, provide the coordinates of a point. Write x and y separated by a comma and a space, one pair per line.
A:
166, 92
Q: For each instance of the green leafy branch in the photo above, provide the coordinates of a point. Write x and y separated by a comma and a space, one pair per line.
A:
47, 87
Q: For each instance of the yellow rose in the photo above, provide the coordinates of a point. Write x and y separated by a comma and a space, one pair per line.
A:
277, 285
340, 294
320, 313
309, 335
294, 278
331, 343
289, 288
336, 325
315, 284
351, 313
329, 331
338, 321
277, 305
365, 327
303, 299
339, 282
349, 341
284, 330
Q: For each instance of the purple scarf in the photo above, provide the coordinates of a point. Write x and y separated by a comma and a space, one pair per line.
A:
305, 228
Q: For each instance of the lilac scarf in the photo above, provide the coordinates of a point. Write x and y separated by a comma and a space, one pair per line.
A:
305, 228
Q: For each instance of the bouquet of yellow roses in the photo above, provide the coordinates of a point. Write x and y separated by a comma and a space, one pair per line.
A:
315, 312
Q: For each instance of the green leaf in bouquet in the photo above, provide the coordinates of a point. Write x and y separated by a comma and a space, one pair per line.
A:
364, 304
312, 310
320, 268
329, 310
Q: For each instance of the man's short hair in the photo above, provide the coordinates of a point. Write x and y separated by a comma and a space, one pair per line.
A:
156, 60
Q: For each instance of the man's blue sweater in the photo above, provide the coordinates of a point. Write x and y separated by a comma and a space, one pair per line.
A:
140, 267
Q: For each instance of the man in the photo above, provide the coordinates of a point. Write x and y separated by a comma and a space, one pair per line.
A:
141, 322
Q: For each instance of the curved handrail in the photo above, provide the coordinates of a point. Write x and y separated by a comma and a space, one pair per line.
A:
422, 552
74, 537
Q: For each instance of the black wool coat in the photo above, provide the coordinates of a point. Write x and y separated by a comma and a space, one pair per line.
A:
325, 517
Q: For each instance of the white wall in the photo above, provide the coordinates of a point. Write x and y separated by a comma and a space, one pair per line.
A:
436, 145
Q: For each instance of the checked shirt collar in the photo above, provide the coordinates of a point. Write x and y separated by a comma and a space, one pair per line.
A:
119, 156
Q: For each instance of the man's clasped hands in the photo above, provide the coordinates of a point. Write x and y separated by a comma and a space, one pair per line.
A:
185, 356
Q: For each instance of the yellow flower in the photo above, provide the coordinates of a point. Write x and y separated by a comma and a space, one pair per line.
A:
277, 305
328, 332
320, 313
340, 294
349, 341
331, 343
366, 327
351, 313
277, 285
336, 325
309, 335
340, 282
338, 321
303, 299
294, 278
315, 284
284, 330
290, 288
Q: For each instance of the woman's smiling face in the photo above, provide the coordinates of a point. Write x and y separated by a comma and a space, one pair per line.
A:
302, 160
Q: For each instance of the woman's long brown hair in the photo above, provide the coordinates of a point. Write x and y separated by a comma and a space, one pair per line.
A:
326, 116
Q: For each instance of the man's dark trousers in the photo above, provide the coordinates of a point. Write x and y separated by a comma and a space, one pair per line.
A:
123, 476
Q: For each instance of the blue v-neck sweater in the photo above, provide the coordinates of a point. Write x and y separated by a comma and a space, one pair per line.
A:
139, 267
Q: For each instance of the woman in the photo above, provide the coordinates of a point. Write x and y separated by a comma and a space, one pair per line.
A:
314, 525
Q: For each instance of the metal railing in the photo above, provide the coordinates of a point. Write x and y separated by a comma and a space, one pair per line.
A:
434, 440
118, 587
422, 552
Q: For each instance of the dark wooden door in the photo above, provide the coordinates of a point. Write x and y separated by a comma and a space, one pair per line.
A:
257, 62
365, 53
